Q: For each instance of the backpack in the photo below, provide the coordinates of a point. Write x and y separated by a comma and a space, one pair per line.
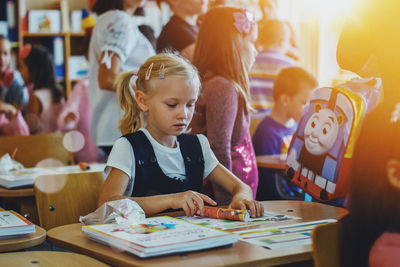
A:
321, 150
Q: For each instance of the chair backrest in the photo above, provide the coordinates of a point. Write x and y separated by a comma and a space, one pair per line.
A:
34, 148
254, 121
62, 198
326, 240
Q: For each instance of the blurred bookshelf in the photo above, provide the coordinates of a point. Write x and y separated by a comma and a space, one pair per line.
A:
63, 43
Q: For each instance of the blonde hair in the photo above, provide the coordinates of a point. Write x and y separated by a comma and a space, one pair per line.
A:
156, 67
218, 50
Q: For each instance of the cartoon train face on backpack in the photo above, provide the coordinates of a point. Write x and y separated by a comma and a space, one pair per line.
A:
321, 130
319, 144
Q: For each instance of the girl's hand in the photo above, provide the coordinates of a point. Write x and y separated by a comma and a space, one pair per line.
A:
9, 109
242, 203
191, 202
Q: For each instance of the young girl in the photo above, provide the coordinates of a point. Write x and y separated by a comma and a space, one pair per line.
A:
180, 33
155, 163
224, 54
46, 100
12, 88
116, 46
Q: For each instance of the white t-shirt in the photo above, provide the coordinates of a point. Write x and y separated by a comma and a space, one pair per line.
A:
169, 159
115, 33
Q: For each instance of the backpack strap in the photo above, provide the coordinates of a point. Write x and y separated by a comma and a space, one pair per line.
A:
150, 179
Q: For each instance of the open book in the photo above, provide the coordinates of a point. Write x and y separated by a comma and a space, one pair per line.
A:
159, 236
277, 237
13, 224
26, 176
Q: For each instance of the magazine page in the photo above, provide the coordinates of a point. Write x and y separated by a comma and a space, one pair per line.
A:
222, 224
282, 236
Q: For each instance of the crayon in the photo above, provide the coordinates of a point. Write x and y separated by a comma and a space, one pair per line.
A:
84, 166
227, 214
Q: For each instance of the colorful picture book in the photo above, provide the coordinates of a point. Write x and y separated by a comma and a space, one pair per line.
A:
282, 236
222, 224
26, 176
13, 224
159, 236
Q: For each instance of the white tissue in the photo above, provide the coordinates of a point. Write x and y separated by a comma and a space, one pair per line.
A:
8, 164
122, 211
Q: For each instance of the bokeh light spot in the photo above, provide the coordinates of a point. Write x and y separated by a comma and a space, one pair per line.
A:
73, 141
49, 162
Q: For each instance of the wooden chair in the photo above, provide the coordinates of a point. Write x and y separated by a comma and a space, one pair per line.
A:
34, 148
254, 121
326, 240
62, 198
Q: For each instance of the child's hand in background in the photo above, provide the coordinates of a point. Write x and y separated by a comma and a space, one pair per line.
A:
243, 203
9, 109
191, 202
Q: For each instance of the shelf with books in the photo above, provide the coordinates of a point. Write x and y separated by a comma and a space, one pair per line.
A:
55, 32
47, 34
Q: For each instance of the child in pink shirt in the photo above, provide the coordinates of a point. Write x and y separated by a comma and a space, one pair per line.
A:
224, 54
46, 100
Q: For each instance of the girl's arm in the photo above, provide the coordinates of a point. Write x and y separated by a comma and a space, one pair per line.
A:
191, 202
107, 74
221, 109
34, 105
242, 195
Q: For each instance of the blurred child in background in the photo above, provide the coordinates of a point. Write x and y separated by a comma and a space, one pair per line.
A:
46, 99
12, 89
272, 43
180, 33
291, 90
372, 229
269, 9
224, 54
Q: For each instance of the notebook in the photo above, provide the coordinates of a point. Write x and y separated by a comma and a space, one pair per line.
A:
13, 224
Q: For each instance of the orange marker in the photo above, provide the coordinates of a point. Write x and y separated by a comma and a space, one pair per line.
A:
84, 166
227, 214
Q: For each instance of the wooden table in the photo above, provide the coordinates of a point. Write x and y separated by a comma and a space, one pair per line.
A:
17, 192
271, 161
24, 198
47, 258
26, 241
240, 254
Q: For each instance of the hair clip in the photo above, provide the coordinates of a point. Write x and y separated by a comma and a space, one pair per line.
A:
25, 51
161, 72
148, 72
243, 21
135, 72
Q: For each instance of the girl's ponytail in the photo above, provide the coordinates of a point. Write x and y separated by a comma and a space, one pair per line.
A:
130, 121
